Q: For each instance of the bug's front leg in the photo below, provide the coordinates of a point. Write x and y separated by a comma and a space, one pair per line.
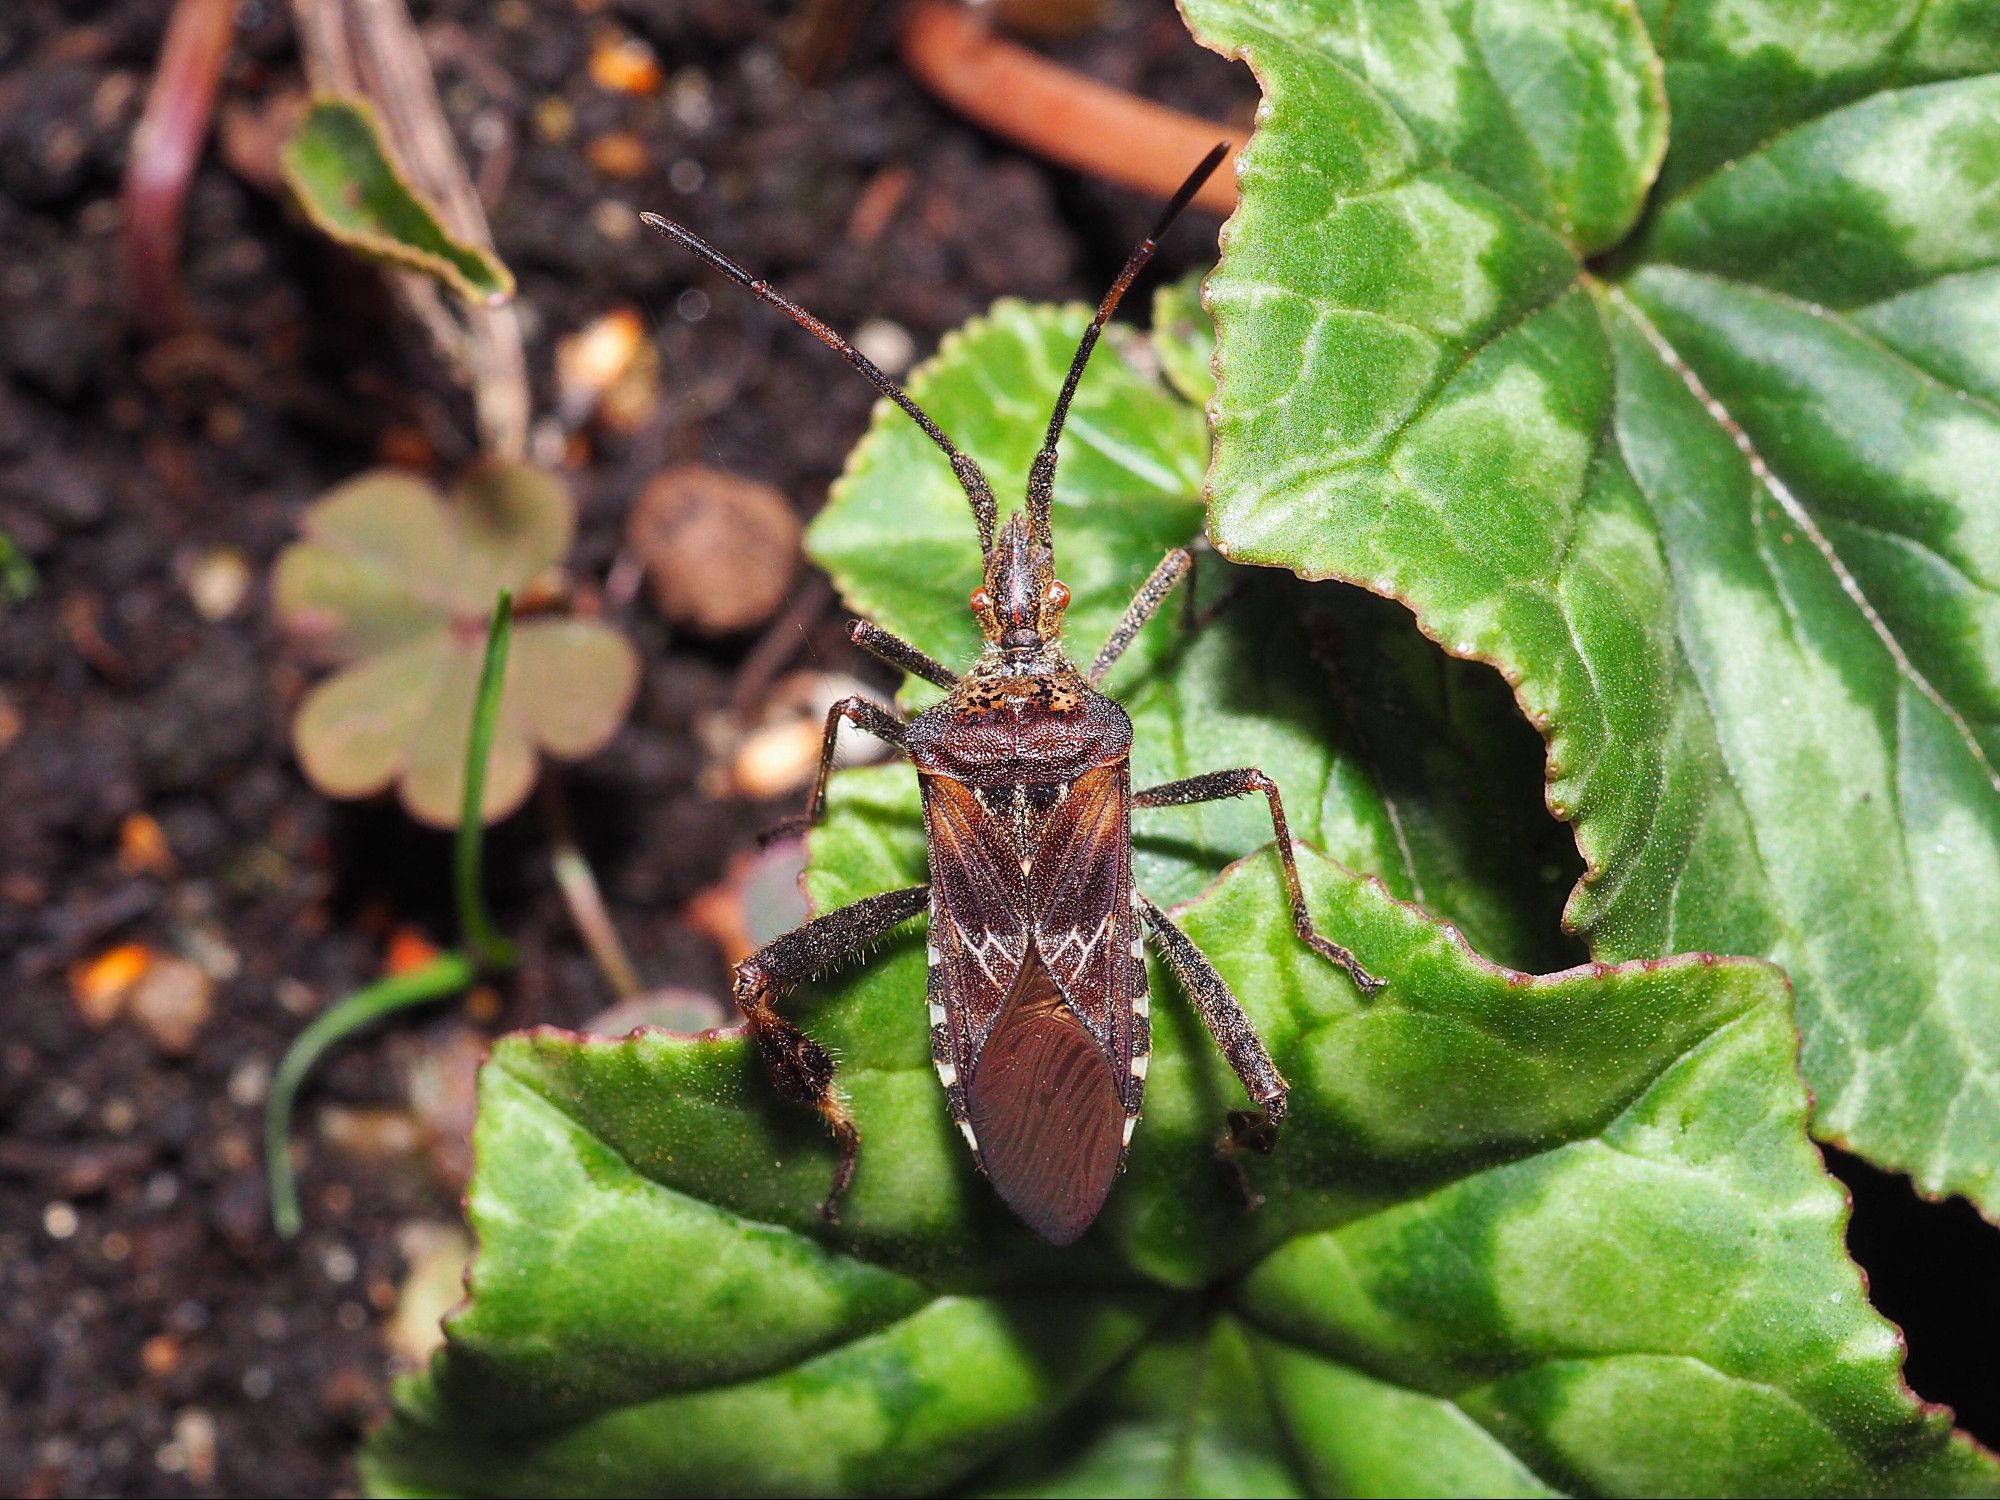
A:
1249, 1129
800, 1068
1176, 566
898, 652
1217, 785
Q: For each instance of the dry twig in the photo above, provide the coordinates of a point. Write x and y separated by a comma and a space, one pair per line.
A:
371, 48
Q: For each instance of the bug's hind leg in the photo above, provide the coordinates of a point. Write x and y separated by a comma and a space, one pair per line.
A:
1249, 1129
800, 1068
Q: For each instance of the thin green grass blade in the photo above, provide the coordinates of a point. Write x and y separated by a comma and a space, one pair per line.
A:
442, 977
492, 949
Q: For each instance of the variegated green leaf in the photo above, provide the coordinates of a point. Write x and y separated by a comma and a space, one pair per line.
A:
1698, 448
342, 172
1521, 1236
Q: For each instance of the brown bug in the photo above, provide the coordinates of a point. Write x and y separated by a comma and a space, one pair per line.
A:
1038, 1003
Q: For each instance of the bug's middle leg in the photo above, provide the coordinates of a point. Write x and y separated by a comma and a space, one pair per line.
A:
859, 712
1216, 785
1252, 1129
800, 1068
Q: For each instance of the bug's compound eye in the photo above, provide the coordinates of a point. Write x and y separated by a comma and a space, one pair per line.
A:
982, 601
1058, 594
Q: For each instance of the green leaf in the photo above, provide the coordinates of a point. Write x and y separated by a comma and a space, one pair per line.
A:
394, 587
340, 169
1717, 499
1185, 1416
512, 521
372, 572
1520, 1235
17, 574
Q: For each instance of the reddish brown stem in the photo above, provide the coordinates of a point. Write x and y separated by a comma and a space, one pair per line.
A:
165, 149
1057, 114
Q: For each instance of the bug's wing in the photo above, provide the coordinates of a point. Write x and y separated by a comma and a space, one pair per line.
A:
1051, 1099
1034, 978
1081, 912
979, 925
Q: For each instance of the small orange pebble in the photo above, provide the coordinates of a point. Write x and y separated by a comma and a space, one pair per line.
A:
595, 359
101, 985
409, 950
142, 847
405, 448
160, 1355
624, 64
619, 154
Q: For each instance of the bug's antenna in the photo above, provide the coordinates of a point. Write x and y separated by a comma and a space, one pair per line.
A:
1042, 477
970, 479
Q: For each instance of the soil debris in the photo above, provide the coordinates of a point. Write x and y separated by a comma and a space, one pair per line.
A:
720, 550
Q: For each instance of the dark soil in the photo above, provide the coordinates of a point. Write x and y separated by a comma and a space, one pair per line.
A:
146, 1301
157, 1337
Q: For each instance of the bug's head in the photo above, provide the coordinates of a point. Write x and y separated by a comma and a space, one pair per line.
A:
1020, 605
